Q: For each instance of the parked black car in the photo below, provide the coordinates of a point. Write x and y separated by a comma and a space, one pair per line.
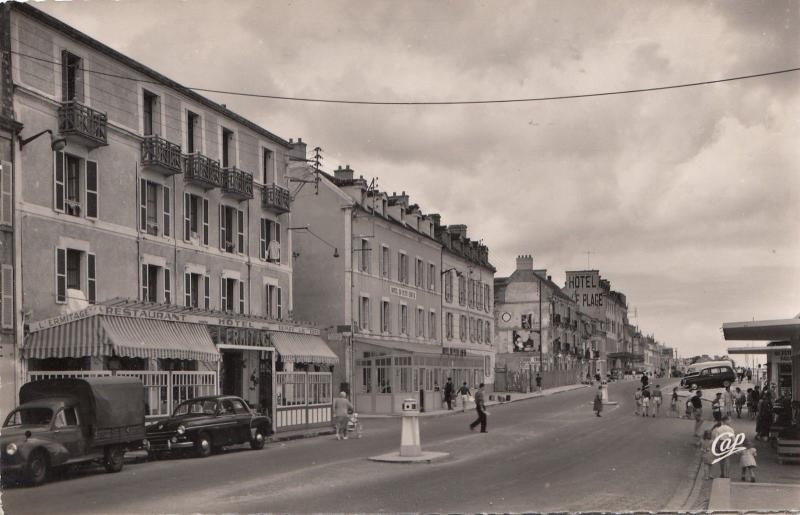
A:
205, 424
713, 375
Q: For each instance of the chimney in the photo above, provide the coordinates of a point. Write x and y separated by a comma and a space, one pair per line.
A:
298, 148
345, 174
436, 218
459, 230
525, 262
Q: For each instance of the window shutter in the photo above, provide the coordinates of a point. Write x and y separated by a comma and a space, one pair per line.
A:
280, 304
205, 221
91, 189
64, 76
187, 221
222, 227
262, 242
143, 205
7, 295
61, 276
278, 239
79, 80
58, 188
267, 301
167, 212
207, 288
187, 290
144, 283
240, 229
6, 206
167, 286
223, 293
241, 297
91, 275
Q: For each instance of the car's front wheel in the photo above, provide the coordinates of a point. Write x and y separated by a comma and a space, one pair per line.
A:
258, 440
203, 445
36, 471
114, 458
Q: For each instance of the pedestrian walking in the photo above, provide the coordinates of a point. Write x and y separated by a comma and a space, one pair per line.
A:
723, 430
341, 408
538, 382
464, 394
751, 403
480, 407
747, 459
637, 396
764, 417
749, 374
716, 407
707, 456
673, 403
646, 401
697, 412
728, 400
449, 391
739, 401
598, 400
657, 398
644, 380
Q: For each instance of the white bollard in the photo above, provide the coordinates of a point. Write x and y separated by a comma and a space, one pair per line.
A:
604, 392
409, 436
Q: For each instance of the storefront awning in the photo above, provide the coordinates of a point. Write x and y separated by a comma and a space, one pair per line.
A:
124, 337
409, 347
303, 348
759, 350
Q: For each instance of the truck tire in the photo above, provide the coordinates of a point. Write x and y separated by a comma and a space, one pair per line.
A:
37, 468
258, 440
203, 445
114, 458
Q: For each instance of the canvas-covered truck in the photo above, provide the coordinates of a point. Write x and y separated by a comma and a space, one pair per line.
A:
61, 422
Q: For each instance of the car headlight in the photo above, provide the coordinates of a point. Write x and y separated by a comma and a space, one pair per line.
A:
181, 429
11, 449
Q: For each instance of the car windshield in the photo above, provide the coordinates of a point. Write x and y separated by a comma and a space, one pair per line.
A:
197, 407
29, 417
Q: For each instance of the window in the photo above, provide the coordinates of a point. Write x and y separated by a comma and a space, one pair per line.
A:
232, 295
71, 77
471, 329
193, 132
448, 326
75, 270
151, 117
272, 306
402, 267
155, 212
479, 295
462, 328
228, 159
448, 286
432, 277
74, 179
6, 205
195, 218
479, 331
231, 229
364, 257
150, 277
363, 313
6, 296
420, 323
462, 290
486, 297
197, 291
419, 274
385, 262
403, 319
471, 293
267, 166
270, 241
487, 337
386, 322
432, 325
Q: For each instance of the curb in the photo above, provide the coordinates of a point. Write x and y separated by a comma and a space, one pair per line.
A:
300, 436
720, 498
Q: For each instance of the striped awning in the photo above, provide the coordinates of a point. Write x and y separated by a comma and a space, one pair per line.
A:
73, 340
303, 348
124, 337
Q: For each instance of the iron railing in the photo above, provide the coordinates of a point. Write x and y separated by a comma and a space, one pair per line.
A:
202, 170
237, 183
76, 119
158, 152
276, 198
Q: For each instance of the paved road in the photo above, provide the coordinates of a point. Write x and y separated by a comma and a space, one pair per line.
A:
542, 454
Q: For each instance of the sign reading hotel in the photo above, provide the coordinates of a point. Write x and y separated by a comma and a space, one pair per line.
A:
169, 316
402, 292
584, 287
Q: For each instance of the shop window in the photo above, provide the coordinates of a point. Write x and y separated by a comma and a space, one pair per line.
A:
366, 379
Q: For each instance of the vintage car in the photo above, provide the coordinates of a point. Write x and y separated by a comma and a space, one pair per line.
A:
710, 374
67, 421
204, 424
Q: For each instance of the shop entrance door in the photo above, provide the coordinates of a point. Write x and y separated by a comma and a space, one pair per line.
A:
265, 386
232, 372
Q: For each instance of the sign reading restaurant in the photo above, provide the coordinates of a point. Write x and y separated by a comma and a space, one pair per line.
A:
155, 314
402, 292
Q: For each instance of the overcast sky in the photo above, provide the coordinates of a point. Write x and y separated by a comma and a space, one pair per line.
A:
689, 199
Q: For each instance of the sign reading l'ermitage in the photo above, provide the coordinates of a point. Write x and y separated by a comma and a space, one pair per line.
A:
402, 292
584, 287
169, 316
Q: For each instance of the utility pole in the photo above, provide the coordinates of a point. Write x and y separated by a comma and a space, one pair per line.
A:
317, 164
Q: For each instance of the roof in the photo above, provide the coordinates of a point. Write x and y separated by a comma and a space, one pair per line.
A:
785, 329
530, 276
77, 35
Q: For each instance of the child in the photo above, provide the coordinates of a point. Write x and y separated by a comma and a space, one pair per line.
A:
689, 408
638, 398
748, 461
708, 457
674, 403
716, 407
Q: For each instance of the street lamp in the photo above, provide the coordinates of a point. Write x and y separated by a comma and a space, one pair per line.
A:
55, 143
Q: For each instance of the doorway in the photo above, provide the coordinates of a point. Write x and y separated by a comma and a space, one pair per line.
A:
232, 372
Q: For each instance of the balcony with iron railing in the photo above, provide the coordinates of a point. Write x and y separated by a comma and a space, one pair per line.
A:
161, 155
276, 199
202, 171
82, 125
237, 183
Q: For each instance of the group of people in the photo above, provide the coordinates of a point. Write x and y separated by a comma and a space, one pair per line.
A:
747, 456
465, 395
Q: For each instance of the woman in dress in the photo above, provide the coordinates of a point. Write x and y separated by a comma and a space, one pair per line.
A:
598, 401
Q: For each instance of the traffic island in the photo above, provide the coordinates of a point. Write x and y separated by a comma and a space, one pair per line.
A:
423, 457
410, 446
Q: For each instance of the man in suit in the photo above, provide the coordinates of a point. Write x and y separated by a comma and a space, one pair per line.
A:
480, 407
448, 393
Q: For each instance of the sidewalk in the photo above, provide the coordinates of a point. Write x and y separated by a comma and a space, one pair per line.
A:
515, 396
